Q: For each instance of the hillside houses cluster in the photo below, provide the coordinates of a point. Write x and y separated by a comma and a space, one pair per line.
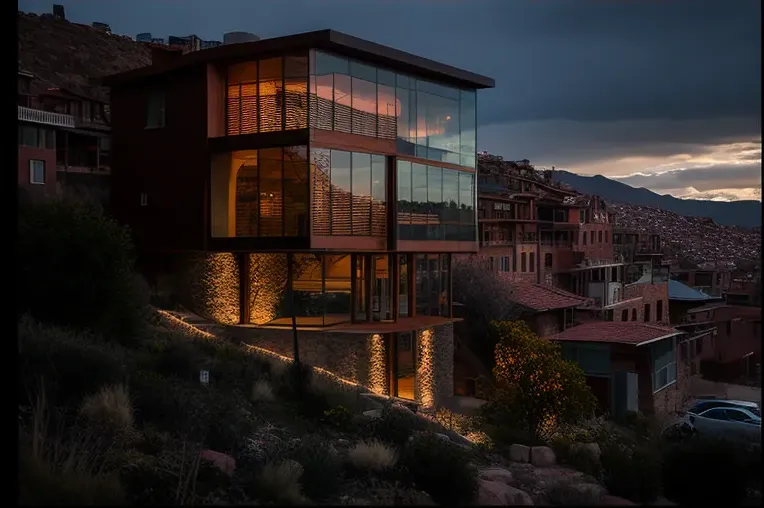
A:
697, 239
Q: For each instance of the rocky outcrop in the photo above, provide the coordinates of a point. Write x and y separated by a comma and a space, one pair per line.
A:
500, 494
542, 456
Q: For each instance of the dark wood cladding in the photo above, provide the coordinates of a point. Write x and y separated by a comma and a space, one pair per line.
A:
259, 244
276, 139
439, 164
351, 142
170, 165
329, 40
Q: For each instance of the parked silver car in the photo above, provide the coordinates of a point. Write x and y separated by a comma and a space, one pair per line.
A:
702, 404
730, 422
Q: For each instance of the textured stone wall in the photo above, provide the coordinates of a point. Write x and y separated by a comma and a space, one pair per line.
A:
208, 285
268, 273
435, 366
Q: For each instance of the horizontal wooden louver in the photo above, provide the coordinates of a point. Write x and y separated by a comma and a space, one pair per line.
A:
341, 211
342, 117
296, 105
249, 108
378, 218
320, 213
362, 215
271, 102
233, 106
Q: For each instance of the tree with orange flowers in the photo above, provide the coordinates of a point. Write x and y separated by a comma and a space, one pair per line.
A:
536, 388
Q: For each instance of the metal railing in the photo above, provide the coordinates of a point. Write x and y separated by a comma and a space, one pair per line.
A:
45, 117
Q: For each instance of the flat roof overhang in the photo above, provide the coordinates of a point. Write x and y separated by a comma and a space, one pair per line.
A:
329, 40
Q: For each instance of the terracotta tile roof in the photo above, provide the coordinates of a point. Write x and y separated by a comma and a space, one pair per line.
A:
543, 297
614, 332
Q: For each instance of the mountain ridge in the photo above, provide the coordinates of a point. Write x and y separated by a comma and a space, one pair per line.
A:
745, 213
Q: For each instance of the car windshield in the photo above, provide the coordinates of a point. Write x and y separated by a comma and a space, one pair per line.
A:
704, 405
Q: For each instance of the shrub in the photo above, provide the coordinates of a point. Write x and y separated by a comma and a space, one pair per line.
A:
262, 391
395, 425
109, 410
537, 388
633, 473
181, 358
78, 268
441, 469
709, 461
280, 482
338, 416
72, 364
295, 380
372, 456
321, 467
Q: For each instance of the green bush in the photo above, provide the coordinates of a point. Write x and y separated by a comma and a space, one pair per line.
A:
441, 469
630, 472
78, 269
71, 364
338, 416
321, 467
395, 425
708, 461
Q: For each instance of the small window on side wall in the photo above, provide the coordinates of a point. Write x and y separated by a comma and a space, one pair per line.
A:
37, 172
155, 111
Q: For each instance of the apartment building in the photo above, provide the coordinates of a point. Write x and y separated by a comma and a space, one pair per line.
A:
63, 139
318, 181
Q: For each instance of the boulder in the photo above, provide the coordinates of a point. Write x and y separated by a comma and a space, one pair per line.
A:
542, 456
492, 493
224, 462
443, 437
591, 449
519, 453
373, 413
496, 474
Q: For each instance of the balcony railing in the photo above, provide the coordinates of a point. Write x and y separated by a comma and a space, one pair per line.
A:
45, 117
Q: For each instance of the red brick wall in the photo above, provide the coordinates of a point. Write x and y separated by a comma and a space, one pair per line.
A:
597, 249
651, 294
49, 156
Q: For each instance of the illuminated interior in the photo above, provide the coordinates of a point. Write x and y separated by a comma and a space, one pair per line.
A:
259, 193
405, 371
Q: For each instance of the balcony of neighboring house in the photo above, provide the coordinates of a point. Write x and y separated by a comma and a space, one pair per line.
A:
31, 115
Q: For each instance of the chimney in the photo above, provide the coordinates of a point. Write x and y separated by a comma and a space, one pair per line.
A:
58, 11
164, 56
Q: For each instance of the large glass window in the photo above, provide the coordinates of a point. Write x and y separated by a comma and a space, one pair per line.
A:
267, 95
432, 284
255, 193
435, 203
321, 291
428, 120
348, 193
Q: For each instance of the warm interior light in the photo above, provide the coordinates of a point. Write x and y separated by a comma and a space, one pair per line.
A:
424, 370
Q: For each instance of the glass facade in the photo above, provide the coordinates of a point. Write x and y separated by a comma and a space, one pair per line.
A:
426, 119
432, 284
435, 203
348, 193
267, 95
259, 193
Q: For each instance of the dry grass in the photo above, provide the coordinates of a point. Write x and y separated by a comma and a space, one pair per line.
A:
58, 469
280, 482
372, 456
110, 409
262, 391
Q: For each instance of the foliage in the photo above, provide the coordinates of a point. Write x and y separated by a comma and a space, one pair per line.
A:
395, 425
709, 461
441, 469
109, 410
320, 467
280, 482
262, 391
486, 298
372, 456
71, 363
339, 417
536, 387
77, 267
632, 471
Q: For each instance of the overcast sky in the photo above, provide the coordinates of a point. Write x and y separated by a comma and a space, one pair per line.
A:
665, 94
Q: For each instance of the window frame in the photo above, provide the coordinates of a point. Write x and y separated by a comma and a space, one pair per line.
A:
32, 179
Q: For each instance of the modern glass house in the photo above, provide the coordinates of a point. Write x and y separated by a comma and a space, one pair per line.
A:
318, 180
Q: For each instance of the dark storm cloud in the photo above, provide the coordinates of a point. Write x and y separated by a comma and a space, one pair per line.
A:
727, 176
573, 60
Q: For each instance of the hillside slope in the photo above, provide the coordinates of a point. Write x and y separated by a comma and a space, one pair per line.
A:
64, 54
734, 213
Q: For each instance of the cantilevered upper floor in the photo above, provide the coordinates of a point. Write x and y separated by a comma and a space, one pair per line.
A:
317, 140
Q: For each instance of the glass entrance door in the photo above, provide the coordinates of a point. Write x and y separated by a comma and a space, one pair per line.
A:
405, 365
